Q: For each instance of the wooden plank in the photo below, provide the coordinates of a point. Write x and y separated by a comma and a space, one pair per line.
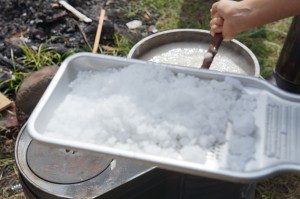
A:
4, 102
9, 117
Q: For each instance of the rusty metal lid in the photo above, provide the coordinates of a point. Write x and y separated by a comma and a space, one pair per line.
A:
63, 166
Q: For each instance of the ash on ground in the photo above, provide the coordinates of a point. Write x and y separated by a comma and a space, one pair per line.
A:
35, 22
39, 20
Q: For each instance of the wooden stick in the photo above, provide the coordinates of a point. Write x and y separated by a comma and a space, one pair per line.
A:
81, 16
214, 45
99, 29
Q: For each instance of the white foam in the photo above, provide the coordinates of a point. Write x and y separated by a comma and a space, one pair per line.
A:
192, 55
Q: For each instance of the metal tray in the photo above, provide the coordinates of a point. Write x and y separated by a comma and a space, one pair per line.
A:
277, 148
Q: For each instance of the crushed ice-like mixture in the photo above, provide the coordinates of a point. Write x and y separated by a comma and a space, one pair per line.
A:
151, 110
193, 56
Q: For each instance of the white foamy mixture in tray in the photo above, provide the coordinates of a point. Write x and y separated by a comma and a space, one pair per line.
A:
192, 55
151, 110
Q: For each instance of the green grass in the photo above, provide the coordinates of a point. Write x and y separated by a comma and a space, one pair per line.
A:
13, 82
38, 58
121, 48
34, 60
8, 169
266, 43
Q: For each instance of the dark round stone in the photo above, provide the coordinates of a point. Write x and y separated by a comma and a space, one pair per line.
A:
33, 87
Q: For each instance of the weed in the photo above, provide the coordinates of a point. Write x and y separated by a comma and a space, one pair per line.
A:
15, 77
121, 48
123, 45
8, 168
37, 58
33, 59
14, 82
8, 175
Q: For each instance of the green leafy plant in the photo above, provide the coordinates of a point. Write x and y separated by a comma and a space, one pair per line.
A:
42, 56
14, 82
123, 45
33, 59
15, 77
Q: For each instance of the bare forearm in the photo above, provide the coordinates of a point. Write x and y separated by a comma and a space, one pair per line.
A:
260, 12
233, 17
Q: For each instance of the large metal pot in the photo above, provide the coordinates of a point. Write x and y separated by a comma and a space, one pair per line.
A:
235, 50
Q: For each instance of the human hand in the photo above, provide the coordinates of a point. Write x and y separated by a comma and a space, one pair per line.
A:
232, 17
226, 18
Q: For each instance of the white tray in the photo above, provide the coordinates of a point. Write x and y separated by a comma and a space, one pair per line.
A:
277, 116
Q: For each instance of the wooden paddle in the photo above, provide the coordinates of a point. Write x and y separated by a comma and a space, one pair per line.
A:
214, 45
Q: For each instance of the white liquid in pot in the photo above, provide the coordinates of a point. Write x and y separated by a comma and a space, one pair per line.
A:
191, 55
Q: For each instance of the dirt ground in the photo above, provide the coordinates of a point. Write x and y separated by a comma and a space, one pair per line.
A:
39, 19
